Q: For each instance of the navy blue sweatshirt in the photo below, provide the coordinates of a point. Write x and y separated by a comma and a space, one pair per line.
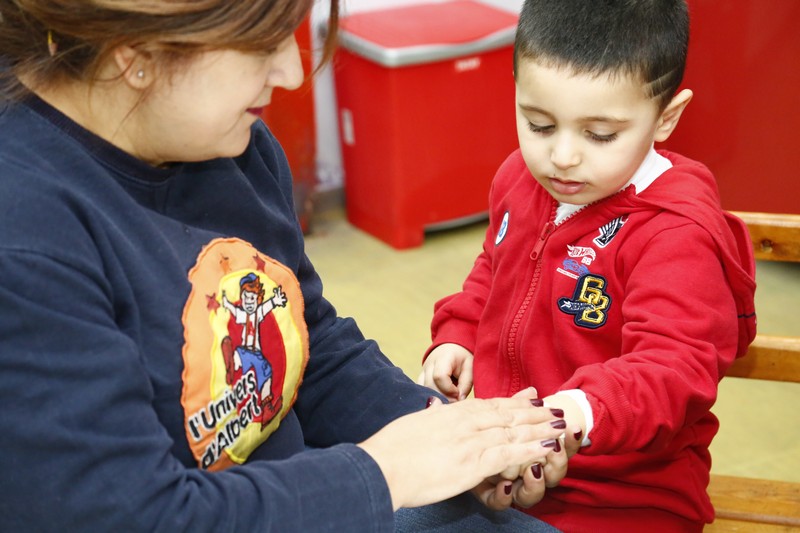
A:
166, 352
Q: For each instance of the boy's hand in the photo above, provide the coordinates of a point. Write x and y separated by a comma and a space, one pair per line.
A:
448, 369
576, 423
499, 494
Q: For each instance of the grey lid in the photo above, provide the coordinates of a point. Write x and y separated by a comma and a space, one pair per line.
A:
428, 53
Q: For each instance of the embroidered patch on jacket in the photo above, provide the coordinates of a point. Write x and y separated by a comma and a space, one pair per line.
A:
571, 267
609, 231
501, 234
589, 302
245, 350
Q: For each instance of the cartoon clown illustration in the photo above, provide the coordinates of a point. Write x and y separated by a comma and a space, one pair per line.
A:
248, 355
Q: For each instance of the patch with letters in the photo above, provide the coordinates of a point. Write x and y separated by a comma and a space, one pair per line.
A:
244, 354
589, 303
609, 231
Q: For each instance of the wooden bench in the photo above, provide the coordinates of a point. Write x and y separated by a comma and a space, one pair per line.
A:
760, 505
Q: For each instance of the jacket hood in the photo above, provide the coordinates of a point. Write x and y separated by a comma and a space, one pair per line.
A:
689, 189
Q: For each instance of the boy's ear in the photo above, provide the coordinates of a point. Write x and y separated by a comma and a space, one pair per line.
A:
671, 114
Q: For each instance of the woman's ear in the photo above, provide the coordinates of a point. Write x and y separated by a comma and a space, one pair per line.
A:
671, 115
134, 67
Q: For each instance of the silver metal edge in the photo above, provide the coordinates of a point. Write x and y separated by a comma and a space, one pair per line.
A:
429, 53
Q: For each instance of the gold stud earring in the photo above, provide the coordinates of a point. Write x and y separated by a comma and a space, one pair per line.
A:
52, 46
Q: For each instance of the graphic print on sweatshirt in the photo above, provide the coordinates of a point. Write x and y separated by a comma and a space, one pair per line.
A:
245, 350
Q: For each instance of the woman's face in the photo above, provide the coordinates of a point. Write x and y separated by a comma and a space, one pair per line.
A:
205, 111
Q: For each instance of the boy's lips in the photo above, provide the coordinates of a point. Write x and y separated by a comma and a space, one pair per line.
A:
567, 188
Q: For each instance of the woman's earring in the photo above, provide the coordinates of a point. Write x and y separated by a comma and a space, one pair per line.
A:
140, 74
52, 46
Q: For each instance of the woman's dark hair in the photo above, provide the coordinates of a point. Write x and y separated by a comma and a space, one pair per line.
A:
172, 31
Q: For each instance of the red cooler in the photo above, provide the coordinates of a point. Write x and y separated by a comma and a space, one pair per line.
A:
426, 103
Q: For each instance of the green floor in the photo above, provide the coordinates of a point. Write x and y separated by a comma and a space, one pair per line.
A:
391, 295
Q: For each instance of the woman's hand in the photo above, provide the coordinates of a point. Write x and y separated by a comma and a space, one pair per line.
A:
448, 369
443, 451
525, 485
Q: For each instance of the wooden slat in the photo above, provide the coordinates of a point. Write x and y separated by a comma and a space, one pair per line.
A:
721, 525
761, 505
776, 237
756, 500
770, 357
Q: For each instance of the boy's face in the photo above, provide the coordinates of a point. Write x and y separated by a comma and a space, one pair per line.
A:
582, 137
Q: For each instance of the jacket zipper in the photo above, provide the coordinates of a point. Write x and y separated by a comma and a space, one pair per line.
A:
536, 255
511, 345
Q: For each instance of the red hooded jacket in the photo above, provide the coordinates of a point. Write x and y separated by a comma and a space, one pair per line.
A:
642, 302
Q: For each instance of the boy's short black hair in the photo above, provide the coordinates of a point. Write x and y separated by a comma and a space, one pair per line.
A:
647, 39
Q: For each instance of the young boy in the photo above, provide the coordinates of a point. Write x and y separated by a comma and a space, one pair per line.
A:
610, 278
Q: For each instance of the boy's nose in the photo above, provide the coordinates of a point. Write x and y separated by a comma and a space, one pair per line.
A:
287, 69
564, 154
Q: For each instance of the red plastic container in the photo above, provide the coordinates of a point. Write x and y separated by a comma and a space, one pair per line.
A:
744, 69
426, 102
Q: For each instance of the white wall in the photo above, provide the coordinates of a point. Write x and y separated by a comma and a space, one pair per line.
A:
329, 156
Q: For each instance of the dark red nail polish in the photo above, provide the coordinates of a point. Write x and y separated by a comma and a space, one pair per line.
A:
559, 424
536, 402
557, 412
557, 447
578, 436
549, 443
536, 468
430, 401
507, 489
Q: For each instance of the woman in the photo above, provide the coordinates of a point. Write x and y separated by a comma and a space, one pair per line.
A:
167, 354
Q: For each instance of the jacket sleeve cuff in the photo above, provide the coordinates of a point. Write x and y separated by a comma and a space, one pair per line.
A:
454, 332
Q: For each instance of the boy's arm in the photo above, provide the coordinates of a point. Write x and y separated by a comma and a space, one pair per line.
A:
456, 317
679, 337
447, 364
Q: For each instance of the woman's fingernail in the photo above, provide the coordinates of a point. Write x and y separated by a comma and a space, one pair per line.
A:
536, 468
550, 443
557, 412
559, 424
578, 436
536, 402
430, 401
557, 447
507, 489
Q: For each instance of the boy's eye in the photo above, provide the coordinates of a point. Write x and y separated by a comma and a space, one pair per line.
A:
536, 128
601, 138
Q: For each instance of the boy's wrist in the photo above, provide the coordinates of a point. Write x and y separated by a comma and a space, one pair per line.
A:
577, 413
